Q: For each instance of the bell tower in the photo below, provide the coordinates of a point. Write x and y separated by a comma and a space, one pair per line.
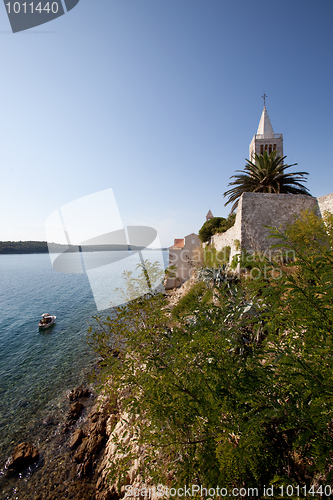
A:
265, 139
209, 215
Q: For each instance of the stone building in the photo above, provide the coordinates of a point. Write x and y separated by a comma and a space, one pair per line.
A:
180, 255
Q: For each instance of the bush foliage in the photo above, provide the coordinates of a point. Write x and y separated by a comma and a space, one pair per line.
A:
214, 259
216, 225
235, 387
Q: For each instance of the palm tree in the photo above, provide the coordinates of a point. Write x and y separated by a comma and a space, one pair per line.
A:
266, 175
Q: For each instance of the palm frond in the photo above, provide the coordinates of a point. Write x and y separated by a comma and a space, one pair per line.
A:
267, 174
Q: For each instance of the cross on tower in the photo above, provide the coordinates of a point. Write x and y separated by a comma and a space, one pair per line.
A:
264, 98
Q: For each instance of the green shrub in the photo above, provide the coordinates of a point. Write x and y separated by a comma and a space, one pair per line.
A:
216, 225
210, 256
187, 303
223, 255
237, 388
213, 259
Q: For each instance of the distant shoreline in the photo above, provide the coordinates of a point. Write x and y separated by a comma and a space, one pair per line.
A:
34, 247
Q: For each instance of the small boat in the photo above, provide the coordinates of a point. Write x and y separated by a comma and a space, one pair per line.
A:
46, 321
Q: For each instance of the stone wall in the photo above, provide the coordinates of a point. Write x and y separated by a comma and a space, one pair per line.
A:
325, 203
232, 237
276, 210
258, 210
255, 212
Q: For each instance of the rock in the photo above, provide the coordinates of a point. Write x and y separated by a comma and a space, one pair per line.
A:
106, 495
87, 444
94, 444
110, 424
89, 448
94, 416
98, 427
80, 452
87, 457
77, 438
79, 392
75, 410
24, 454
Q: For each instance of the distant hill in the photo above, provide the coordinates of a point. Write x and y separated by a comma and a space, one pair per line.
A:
24, 247
10, 247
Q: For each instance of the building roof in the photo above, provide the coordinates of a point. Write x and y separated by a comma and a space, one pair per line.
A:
179, 243
265, 127
209, 215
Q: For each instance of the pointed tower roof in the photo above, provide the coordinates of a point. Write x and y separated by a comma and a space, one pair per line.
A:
265, 127
209, 215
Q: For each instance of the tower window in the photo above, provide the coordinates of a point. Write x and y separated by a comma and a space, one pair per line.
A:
265, 147
262, 149
270, 149
274, 147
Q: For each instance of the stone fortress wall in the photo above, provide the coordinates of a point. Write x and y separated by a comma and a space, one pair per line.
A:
257, 210
325, 203
232, 237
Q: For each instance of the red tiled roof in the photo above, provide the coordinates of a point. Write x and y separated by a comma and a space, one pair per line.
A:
179, 243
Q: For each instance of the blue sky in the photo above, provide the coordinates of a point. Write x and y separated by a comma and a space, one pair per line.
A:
159, 100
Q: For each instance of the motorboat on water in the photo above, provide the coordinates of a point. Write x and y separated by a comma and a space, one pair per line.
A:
46, 321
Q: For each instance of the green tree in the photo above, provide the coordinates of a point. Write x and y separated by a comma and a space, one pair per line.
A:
267, 174
216, 225
236, 388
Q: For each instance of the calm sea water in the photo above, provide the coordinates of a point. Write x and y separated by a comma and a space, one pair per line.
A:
38, 368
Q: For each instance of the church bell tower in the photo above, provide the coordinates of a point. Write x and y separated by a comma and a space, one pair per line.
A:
265, 139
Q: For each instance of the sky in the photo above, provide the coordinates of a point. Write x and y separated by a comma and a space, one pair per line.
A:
158, 100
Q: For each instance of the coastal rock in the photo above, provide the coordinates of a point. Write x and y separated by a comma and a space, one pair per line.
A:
77, 438
94, 444
98, 427
87, 453
106, 494
110, 424
78, 393
94, 415
81, 451
75, 410
24, 454
91, 440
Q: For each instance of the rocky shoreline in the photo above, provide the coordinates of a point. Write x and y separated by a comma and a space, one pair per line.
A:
65, 464
73, 458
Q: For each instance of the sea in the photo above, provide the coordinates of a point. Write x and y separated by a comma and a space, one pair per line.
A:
39, 368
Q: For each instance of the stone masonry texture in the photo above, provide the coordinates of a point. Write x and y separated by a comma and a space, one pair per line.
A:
258, 210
